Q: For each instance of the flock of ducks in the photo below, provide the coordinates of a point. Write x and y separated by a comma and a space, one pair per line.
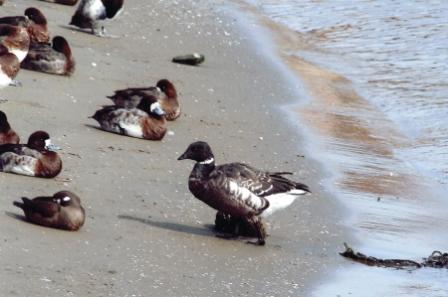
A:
241, 194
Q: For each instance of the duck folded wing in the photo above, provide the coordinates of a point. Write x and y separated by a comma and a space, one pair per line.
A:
18, 164
45, 206
13, 148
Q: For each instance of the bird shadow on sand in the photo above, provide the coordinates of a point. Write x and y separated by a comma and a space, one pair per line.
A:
15, 216
207, 231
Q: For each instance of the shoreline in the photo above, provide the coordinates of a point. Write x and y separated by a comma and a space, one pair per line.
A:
147, 234
359, 144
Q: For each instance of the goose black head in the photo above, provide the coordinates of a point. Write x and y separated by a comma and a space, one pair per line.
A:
198, 151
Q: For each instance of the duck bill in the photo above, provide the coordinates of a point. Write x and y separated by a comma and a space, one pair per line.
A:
50, 146
158, 111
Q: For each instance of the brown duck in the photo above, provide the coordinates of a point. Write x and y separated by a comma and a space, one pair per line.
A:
63, 210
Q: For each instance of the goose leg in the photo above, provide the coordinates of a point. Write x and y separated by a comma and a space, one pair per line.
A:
260, 230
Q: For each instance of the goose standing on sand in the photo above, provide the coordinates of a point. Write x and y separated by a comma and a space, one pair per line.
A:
147, 121
7, 135
33, 21
90, 12
9, 67
63, 210
53, 59
37, 158
239, 190
164, 92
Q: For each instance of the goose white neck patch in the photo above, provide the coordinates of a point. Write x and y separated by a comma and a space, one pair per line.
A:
208, 161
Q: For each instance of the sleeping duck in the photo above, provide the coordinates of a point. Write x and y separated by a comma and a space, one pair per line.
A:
36, 158
54, 59
147, 121
33, 21
90, 12
9, 67
164, 92
15, 39
7, 135
240, 190
63, 210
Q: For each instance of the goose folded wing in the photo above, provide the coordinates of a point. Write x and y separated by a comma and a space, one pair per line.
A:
236, 190
258, 182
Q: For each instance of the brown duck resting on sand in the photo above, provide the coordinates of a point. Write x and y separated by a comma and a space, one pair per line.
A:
63, 210
9, 67
54, 59
147, 121
36, 158
239, 190
15, 39
164, 92
7, 134
33, 21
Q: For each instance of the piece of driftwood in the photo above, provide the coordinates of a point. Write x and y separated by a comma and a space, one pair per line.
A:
436, 260
191, 59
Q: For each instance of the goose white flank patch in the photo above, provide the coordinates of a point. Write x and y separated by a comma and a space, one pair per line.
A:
147, 122
33, 21
164, 92
63, 210
9, 67
90, 12
36, 158
15, 39
54, 59
7, 135
239, 190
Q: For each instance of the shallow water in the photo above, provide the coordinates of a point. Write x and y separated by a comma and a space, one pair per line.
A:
386, 143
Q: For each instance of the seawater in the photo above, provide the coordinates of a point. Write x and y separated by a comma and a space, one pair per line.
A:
388, 151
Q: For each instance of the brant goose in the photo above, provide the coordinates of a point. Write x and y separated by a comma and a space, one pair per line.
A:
239, 190
34, 21
65, 2
15, 39
36, 158
7, 135
54, 59
62, 211
90, 12
9, 67
146, 122
164, 92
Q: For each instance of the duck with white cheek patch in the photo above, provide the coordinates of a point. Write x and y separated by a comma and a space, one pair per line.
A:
36, 158
63, 210
239, 190
147, 121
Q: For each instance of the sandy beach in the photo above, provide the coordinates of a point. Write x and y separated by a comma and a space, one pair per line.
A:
145, 234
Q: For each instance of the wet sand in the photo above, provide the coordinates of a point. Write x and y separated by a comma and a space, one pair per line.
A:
145, 234
394, 209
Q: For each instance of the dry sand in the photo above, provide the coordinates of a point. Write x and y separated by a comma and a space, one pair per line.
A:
145, 234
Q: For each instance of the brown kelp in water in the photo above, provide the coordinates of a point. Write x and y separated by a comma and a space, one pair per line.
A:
436, 260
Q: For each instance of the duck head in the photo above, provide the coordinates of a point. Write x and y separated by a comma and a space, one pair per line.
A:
40, 141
